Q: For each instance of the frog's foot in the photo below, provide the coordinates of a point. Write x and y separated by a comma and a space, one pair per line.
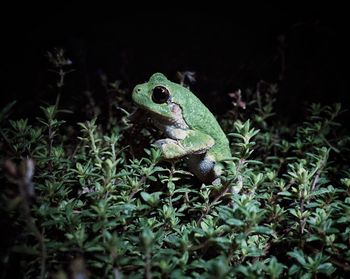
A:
217, 171
171, 149
205, 167
216, 181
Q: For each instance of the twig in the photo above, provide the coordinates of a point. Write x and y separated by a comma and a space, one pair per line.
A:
23, 178
344, 266
314, 182
50, 144
317, 176
137, 189
223, 193
148, 273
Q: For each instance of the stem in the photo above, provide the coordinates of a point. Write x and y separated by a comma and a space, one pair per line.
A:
23, 179
302, 221
50, 144
93, 143
340, 264
223, 193
172, 170
148, 273
142, 181
199, 246
314, 182
258, 95
137, 188
330, 145
227, 188
31, 224
317, 176
61, 75
113, 151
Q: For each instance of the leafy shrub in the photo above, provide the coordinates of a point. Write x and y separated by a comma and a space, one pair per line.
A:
88, 200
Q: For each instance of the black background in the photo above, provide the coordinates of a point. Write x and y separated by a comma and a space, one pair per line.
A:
228, 49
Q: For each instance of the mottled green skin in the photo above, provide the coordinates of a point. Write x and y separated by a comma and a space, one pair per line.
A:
193, 126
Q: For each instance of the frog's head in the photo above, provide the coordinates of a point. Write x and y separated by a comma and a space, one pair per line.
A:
155, 96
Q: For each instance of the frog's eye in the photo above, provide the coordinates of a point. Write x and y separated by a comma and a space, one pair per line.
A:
160, 95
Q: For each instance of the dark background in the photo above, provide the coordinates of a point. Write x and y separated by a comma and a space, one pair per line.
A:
227, 50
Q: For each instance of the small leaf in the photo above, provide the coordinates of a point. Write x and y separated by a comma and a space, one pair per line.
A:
298, 255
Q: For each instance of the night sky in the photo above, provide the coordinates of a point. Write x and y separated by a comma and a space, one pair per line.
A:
227, 51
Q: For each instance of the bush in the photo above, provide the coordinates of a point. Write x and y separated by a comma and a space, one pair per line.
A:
94, 200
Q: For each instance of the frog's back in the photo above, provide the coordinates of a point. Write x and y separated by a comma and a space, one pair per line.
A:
198, 117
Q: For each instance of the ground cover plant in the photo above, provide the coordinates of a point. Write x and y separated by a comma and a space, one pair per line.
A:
92, 199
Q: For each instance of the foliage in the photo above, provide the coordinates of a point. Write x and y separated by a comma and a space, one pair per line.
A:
79, 200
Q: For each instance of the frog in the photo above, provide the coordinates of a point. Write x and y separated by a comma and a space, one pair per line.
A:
191, 131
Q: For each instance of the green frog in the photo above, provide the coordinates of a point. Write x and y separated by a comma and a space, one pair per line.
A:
191, 130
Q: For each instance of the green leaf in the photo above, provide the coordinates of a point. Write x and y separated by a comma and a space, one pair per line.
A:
298, 255
234, 222
263, 230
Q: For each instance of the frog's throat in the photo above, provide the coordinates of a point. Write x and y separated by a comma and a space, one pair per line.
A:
175, 120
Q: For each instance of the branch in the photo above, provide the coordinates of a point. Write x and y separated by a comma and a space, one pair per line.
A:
22, 176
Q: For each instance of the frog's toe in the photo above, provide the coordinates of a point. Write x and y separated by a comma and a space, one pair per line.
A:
217, 181
162, 142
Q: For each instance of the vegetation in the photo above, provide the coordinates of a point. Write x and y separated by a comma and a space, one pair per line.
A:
93, 199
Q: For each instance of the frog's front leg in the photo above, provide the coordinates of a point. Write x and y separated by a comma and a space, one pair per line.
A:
187, 142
